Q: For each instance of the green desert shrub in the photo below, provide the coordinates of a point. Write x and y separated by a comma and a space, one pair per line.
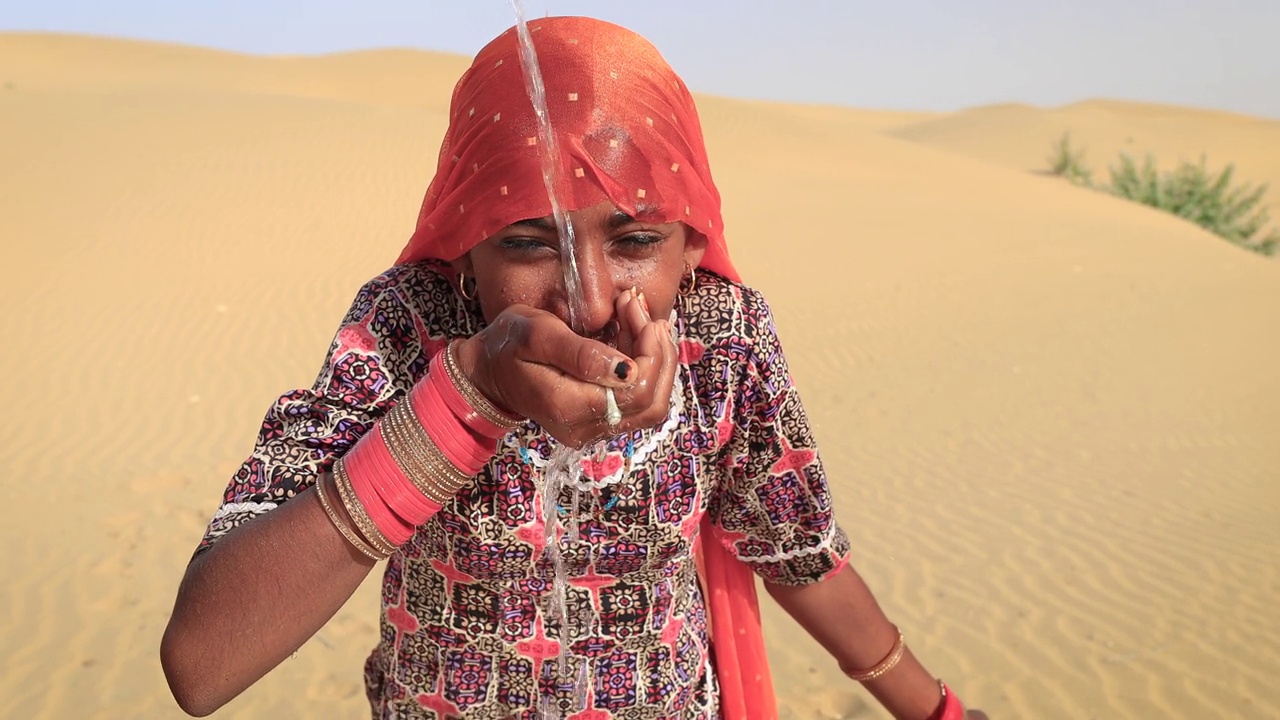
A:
1194, 192
1191, 191
1067, 162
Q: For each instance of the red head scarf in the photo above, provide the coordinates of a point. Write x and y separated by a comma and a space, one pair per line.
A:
625, 123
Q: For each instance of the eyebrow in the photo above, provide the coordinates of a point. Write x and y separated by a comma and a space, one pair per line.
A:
616, 220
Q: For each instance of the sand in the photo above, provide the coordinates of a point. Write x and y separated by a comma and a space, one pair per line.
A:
1050, 416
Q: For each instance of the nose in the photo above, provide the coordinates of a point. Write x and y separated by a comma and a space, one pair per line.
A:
599, 290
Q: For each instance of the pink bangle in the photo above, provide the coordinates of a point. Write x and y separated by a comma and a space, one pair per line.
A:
393, 486
361, 470
453, 397
463, 437
462, 447
950, 708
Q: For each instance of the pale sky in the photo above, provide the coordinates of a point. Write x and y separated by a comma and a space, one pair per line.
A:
902, 54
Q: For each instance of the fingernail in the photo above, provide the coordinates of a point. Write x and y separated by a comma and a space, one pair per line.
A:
644, 303
622, 370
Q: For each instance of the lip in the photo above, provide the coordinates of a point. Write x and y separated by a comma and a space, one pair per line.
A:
608, 334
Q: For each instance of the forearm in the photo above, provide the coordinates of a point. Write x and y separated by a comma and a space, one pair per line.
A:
843, 616
241, 610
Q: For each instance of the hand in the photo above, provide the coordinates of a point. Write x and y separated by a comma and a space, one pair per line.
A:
532, 364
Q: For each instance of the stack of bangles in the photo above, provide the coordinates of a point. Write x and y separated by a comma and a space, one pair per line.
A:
426, 448
949, 708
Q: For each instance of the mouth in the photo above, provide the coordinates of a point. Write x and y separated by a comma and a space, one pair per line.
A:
608, 334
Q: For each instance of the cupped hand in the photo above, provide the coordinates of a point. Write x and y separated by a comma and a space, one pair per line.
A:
530, 363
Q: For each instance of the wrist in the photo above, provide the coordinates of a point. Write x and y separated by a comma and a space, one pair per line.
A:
450, 422
468, 353
949, 706
902, 685
472, 379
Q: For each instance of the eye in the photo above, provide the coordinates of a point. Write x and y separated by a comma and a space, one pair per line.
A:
640, 240
519, 243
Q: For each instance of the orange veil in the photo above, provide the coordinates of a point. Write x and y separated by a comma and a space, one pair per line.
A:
628, 132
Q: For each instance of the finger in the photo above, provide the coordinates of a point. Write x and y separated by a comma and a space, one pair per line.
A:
551, 342
651, 337
622, 309
564, 406
667, 373
633, 317
643, 403
648, 399
572, 403
589, 422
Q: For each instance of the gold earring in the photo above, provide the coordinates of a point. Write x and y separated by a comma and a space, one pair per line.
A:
693, 279
462, 288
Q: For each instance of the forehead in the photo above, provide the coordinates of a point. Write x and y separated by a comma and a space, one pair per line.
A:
604, 214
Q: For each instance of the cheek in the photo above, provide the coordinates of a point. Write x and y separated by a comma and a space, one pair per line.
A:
516, 286
661, 304
661, 286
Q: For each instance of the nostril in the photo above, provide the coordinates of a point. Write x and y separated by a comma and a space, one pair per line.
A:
609, 333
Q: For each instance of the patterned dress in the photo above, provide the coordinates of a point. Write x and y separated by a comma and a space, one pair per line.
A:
466, 629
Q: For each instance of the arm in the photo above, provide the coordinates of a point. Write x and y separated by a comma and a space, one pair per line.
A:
237, 617
272, 567
842, 615
776, 505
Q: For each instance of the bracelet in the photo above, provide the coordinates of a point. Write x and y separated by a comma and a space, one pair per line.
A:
950, 707
420, 460
480, 405
419, 455
342, 527
358, 510
467, 448
393, 484
888, 663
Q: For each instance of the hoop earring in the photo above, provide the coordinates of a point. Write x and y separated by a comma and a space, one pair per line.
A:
693, 280
462, 287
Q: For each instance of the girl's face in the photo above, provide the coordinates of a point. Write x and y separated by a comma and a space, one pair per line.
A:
521, 264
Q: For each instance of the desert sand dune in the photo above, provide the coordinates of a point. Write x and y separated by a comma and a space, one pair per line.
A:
1020, 136
1050, 416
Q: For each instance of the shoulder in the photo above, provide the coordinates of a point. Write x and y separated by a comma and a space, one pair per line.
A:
397, 321
728, 342
424, 279
722, 314
420, 293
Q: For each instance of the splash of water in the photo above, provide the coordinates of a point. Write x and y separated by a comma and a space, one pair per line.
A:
549, 151
564, 468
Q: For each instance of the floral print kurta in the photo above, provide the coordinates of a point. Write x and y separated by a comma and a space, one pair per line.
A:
465, 629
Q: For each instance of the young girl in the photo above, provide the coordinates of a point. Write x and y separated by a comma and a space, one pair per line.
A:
573, 497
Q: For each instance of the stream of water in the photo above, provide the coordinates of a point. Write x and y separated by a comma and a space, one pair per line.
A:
549, 151
565, 465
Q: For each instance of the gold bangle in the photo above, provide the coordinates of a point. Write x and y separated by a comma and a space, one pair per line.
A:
342, 527
408, 457
351, 502
418, 457
476, 399
888, 663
